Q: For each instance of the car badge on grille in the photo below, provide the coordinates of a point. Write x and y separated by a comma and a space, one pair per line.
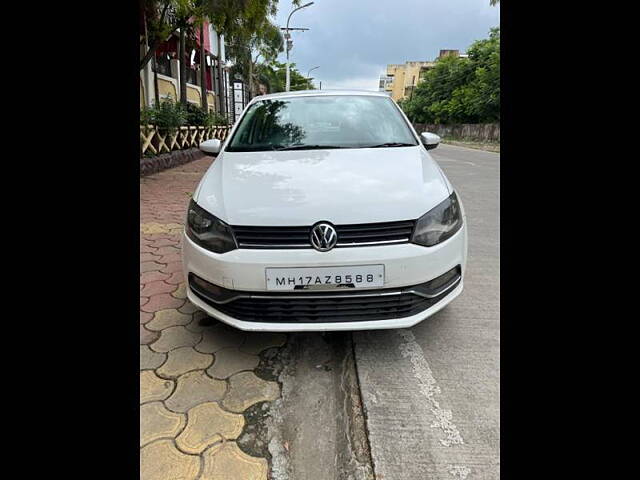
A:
323, 237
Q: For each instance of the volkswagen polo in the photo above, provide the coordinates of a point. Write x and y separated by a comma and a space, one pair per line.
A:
323, 210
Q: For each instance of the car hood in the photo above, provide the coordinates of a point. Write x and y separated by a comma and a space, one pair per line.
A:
341, 186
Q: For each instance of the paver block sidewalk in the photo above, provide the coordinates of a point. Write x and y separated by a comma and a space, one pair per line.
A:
196, 375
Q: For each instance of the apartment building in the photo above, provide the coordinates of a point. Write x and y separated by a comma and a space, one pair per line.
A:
400, 79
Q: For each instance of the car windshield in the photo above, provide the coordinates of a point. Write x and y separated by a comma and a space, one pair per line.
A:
317, 122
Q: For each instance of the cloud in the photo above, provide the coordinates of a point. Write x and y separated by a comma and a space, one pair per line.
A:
354, 40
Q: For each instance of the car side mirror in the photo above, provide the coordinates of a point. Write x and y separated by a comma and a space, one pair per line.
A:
211, 147
429, 140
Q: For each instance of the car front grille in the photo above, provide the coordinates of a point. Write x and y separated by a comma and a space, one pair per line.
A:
318, 307
357, 235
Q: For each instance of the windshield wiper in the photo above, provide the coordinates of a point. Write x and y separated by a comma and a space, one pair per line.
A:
391, 144
307, 147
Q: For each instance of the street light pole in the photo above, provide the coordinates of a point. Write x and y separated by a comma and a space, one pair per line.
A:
309, 73
287, 37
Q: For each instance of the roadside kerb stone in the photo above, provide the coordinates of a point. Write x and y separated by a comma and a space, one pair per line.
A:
183, 360
207, 424
150, 360
230, 361
153, 388
194, 388
175, 337
225, 461
157, 422
161, 460
246, 389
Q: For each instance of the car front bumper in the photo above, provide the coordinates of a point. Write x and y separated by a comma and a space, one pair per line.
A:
405, 265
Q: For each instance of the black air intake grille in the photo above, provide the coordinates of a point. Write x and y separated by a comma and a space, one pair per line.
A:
365, 234
350, 305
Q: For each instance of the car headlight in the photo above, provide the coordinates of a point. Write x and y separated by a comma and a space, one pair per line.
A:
439, 223
208, 231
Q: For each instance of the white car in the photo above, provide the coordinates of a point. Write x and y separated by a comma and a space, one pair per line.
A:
323, 211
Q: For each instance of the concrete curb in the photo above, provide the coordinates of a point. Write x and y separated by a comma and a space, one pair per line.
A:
151, 165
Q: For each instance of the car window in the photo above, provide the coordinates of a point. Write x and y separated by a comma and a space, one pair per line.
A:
337, 121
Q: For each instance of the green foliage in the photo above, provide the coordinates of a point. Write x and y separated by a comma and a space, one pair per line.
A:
274, 76
460, 90
168, 116
196, 116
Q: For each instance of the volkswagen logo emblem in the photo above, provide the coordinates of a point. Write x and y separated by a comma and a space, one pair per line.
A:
323, 237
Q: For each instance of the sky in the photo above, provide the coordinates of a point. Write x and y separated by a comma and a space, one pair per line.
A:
353, 40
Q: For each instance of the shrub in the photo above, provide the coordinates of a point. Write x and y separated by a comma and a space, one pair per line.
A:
168, 116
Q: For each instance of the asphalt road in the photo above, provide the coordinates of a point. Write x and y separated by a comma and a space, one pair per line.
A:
431, 393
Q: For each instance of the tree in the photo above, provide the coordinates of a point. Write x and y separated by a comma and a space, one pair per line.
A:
244, 23
158, 25
460, 90
273, 75
262, 40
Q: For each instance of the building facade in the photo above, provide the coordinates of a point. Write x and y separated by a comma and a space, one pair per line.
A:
163, 73
400, 80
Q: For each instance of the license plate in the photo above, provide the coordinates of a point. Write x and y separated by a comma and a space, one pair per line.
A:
313, 278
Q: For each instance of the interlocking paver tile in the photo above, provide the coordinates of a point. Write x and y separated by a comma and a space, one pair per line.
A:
150, 266
172, 267
246, 389
153, 388
225, 461
218, 337
208, 423
188, 307
150, 360
153, 276
183, 360
201, 322
157, 422
147, 336
194, 388
230, 361
161, 301
161, 460
170, 258
256, 342
168, 318
166, 250
164, 242
154, 288
174, 337
149, 257
181, 292
176, 277
145, 317
147, 249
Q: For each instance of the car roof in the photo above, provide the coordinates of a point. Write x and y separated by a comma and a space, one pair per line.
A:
302, 93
